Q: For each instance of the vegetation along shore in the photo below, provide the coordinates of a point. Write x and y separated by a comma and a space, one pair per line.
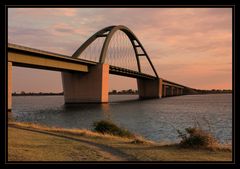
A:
107, 142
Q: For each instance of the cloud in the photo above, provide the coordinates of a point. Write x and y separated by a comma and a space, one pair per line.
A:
194, 41
41, 39
41, 12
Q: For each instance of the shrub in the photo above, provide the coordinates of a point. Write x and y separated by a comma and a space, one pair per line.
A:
137, 141
107, 127
194, 137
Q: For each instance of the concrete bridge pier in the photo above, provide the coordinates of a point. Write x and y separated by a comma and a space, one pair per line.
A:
181, 91
164, 90
9, 86
149, 88
177, 91
172, 91
86, 87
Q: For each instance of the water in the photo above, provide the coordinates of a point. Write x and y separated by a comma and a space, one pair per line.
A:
156, 119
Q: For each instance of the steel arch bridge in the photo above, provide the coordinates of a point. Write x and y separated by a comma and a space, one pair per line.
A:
115, 44
112, 50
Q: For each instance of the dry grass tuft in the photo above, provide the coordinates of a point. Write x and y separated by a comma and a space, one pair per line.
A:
73, 131
197, 138
108, 127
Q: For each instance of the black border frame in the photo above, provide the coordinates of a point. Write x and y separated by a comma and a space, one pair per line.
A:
235, 79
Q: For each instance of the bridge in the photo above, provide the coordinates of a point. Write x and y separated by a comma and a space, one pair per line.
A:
112, 50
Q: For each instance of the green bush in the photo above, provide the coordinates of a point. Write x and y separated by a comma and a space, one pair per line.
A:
107, 127
196, 138
137, 141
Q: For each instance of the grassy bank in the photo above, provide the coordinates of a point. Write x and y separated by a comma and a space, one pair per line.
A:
30, 142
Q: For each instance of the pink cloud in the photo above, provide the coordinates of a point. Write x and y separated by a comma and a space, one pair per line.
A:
39, 12
196, 42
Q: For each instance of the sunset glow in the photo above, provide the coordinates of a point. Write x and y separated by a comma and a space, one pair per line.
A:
190, 46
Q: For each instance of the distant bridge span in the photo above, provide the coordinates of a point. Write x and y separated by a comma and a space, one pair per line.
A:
86, 79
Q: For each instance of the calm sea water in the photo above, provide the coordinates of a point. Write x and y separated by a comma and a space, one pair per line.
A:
156, 119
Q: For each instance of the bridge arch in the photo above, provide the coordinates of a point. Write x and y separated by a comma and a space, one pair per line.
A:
108, 33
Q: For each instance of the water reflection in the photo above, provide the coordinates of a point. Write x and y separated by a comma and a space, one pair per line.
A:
106, 111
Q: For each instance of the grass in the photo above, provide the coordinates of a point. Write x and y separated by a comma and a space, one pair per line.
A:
31, 142
41, 147
197, 138
72, 131
108, 127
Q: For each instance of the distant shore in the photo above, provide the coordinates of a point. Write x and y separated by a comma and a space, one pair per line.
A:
38, 94
61, 94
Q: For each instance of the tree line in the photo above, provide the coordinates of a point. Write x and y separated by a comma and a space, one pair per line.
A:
129, 91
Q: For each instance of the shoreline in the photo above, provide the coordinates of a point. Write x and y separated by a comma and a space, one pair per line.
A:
32, 142
56, 94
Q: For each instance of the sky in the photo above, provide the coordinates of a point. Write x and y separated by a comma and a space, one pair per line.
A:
189, 46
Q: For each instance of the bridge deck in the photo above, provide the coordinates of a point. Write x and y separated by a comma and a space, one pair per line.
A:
129, 73
34, 58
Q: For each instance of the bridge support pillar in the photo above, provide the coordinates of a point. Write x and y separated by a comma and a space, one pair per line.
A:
172, 91
86, 87
9, 86
181, 91
164, 94
149, 88
177, 91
